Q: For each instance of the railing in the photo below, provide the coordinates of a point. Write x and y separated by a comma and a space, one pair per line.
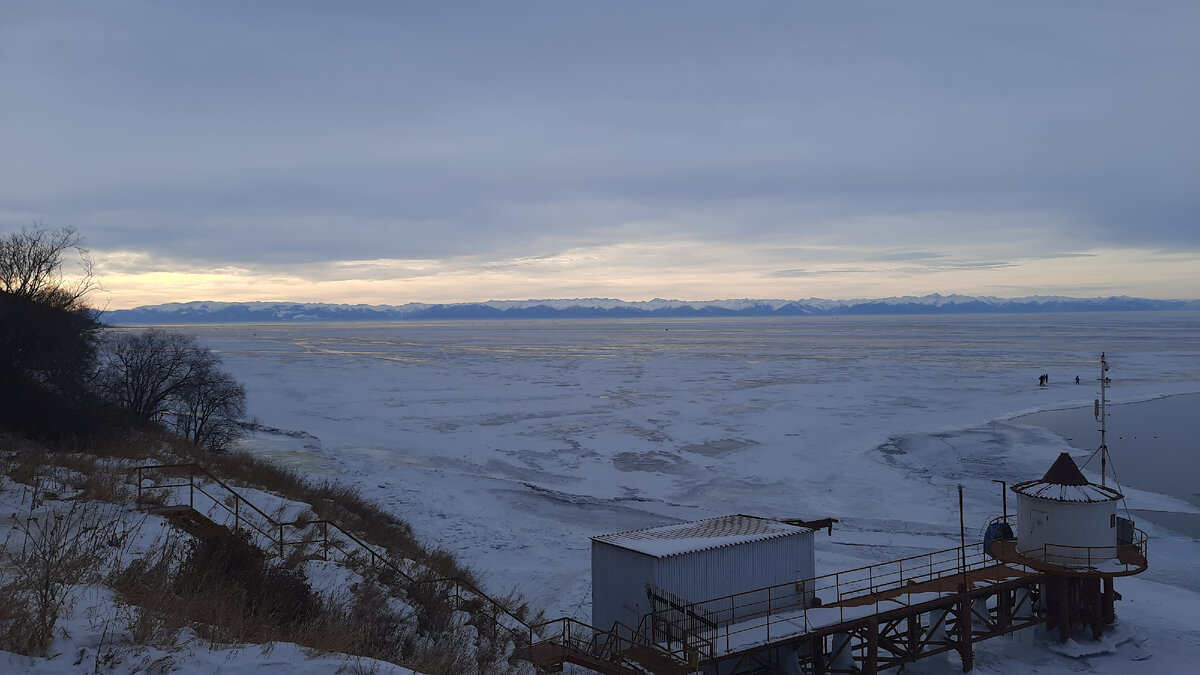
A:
1117, 558
1123, 557
778, 611
246, 516
684, 629
457, 592
621, 648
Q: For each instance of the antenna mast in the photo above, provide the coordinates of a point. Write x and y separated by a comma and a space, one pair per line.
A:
1101, 416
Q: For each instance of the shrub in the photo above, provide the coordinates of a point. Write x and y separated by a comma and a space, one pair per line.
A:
60, 549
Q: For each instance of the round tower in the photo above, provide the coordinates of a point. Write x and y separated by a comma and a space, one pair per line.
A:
1064, 519
1069, 530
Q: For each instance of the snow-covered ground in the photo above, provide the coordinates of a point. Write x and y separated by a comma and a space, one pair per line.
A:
91, 636
510, 444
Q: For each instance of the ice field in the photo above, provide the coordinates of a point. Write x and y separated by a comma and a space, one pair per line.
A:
510, 444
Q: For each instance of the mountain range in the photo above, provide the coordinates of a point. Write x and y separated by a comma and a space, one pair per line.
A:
608, 308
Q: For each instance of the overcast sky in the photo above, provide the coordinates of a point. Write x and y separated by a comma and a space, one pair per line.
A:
391, 152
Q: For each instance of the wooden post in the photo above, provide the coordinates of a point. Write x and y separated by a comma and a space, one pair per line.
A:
1048, 603
965, 648
1095, 610
1004, 609
1062, 608
192, 486
816, 652
1110, 611
870, 664
914, 636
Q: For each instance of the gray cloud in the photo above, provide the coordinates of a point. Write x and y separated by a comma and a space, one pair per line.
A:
242, 134
968, 265
803, 273
909, 255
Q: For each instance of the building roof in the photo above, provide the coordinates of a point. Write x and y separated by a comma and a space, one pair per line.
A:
700, 535
1064, 482
1064, 471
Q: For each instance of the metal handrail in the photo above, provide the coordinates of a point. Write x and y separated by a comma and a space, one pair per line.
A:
613, 645
522, 631
240, 518
1084, 554
763, 609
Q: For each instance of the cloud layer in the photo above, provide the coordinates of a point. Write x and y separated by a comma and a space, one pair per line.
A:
642, 147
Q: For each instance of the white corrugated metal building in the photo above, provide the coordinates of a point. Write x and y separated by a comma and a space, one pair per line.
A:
697, 561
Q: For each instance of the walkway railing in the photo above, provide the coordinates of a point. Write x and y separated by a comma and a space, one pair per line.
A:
1124, 558
327, 536
1129, 556
774, 612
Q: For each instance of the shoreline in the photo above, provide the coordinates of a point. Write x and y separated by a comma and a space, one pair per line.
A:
1152, 447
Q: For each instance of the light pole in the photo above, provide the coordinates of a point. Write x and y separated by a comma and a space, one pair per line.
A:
1003, 498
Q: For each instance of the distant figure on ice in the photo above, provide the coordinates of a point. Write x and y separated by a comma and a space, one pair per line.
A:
1042, 380
1076, 379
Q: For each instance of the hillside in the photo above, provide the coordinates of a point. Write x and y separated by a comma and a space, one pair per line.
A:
92, 583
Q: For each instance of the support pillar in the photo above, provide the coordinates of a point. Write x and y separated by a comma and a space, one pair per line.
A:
1050, 602
1110, 596
965, 648
1004, 609
913, 626
870, 664
1062, 608
1095, 613
816, 654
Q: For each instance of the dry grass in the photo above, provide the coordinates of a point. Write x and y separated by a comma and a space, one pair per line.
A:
222, 586
188, 583
227, 591
57, 550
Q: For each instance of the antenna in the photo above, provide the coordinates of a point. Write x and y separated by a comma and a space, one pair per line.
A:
1101, 416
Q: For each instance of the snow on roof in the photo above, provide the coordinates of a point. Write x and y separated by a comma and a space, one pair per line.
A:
700, 535
1064, 482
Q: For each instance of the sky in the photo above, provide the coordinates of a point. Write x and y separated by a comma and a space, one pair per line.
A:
394, 152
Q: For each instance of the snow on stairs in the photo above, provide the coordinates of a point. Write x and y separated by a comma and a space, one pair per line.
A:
552, 655
654, 661
637, 660
191, 521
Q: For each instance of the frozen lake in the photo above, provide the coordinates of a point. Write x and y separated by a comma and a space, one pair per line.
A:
1152, 444
512, 443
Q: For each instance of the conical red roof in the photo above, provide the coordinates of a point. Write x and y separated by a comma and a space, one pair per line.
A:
1064, 471
1064, 482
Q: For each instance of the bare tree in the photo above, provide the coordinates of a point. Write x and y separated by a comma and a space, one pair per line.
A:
208, 409
170, 378
47, 332
144, 371
33, 262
